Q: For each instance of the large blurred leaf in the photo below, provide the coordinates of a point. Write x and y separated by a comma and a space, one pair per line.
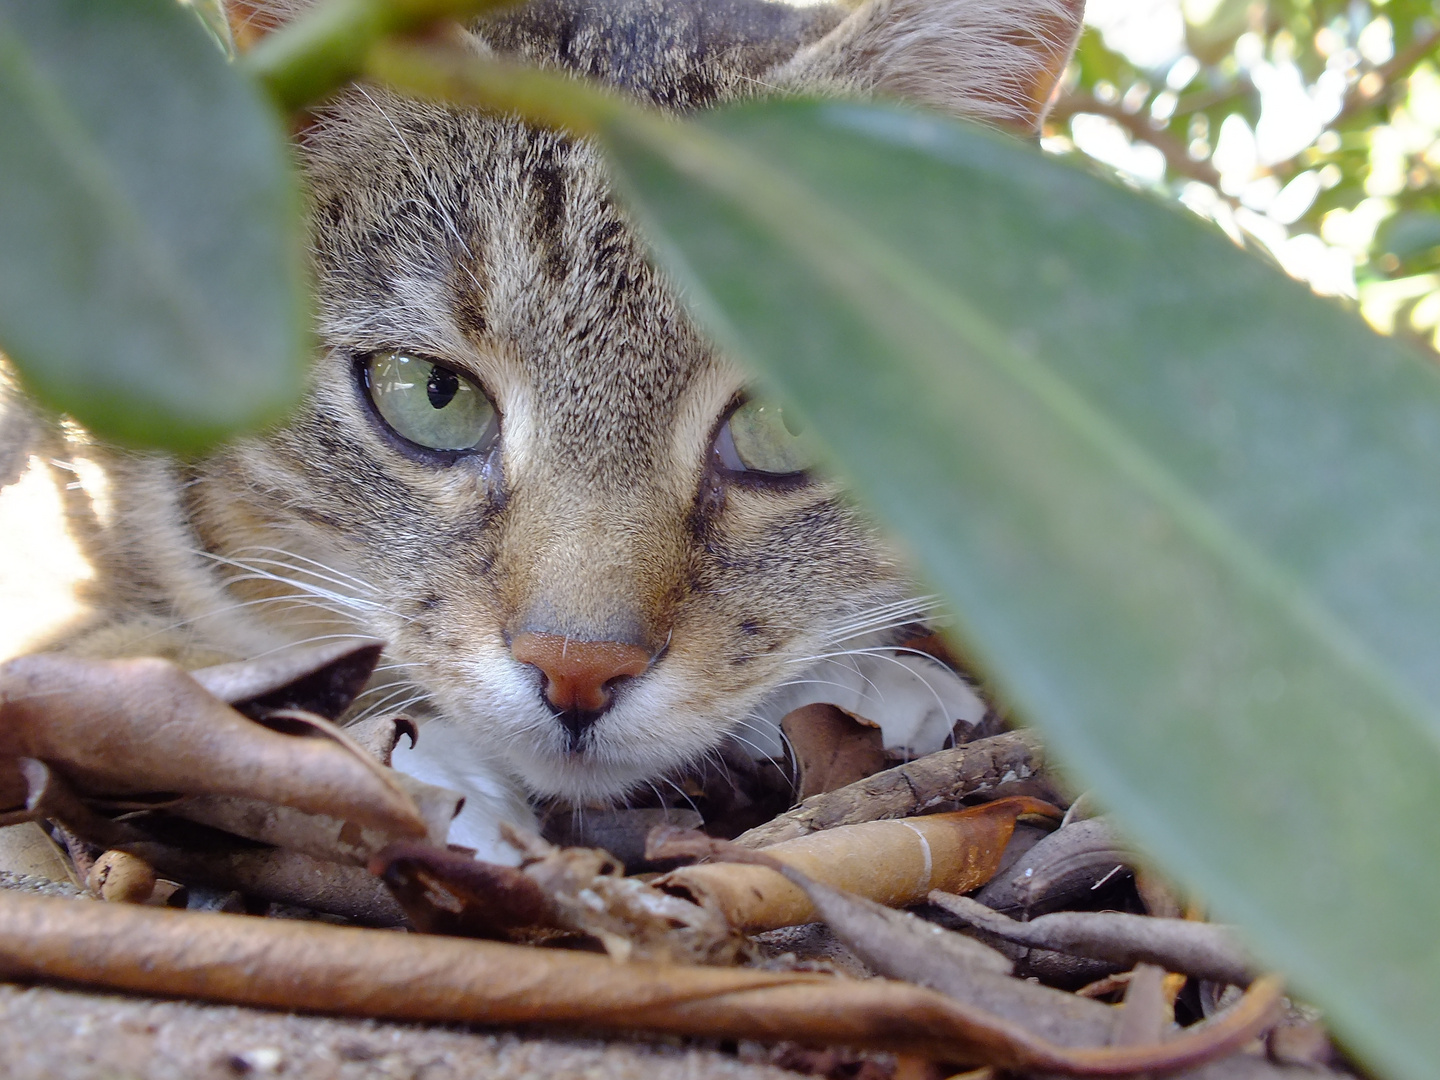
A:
1189, 513
151, 279
1409, 234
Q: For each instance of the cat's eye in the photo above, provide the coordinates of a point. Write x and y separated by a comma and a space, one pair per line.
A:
760, 437
428, 404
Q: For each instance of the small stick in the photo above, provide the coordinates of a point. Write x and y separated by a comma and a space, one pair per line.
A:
1204, 950
909, 789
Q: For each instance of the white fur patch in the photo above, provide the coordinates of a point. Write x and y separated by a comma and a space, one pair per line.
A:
913, 700
445, 757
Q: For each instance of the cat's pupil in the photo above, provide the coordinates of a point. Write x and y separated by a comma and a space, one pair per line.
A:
441, 387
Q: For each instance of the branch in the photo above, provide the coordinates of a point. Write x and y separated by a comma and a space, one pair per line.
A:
1390, 72
1177, 157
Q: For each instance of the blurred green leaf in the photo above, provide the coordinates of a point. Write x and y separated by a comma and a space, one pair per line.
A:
1097, 63
1186, 511
151, 256
1211, 26
1410, 234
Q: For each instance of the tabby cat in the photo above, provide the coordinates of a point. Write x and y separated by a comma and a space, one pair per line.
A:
594, 554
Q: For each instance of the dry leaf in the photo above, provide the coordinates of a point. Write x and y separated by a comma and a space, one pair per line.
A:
831, 749
630, 917
319, 835
1144, 1014
317, 968
138, 727
1063, 869
322, 678
900, 945
895, 863
25, 849
379, 735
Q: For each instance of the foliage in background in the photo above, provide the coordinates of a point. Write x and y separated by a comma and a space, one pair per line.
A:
1309, 129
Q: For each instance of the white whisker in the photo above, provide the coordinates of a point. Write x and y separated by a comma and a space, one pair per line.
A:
254, 570
334, 578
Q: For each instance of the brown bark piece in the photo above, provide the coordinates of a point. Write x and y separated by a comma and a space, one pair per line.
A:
910, 789
446, 893
889, 862
831, 748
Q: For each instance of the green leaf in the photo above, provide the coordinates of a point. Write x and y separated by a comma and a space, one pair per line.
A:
1188, 513
151, 262
1407, 235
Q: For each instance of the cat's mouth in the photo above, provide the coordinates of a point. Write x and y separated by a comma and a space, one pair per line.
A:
913, 699
651, 738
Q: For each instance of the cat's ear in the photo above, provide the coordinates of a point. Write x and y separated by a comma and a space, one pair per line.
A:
251, 20
996, 61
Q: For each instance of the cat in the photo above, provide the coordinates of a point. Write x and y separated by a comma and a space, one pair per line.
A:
594, 552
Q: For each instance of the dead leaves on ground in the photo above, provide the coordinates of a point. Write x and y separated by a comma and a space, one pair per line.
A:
232, 777
130, 731
237, 778
891, 862
314, 967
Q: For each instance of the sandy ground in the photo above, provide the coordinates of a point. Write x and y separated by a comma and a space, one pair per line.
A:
54, 1034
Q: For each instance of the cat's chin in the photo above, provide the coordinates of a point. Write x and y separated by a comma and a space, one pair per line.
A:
589, 776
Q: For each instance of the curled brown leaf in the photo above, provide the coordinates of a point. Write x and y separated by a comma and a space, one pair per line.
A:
895, 863
135, 727
321, 678
317, 968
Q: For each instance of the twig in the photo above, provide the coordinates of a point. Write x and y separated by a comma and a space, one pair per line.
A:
1391, 71
1177, 157
913, 788
1200, 949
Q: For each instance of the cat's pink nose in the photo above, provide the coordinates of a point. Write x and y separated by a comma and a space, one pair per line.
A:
579, 674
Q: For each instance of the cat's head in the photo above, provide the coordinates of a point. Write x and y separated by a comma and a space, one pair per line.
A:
589, 546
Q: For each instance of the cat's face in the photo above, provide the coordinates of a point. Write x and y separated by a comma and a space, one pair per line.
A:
516, 435
581, 476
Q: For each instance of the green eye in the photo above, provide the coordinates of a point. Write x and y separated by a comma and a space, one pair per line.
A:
759, 437
428, 404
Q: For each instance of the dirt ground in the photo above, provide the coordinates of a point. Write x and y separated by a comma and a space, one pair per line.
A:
56, 1034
